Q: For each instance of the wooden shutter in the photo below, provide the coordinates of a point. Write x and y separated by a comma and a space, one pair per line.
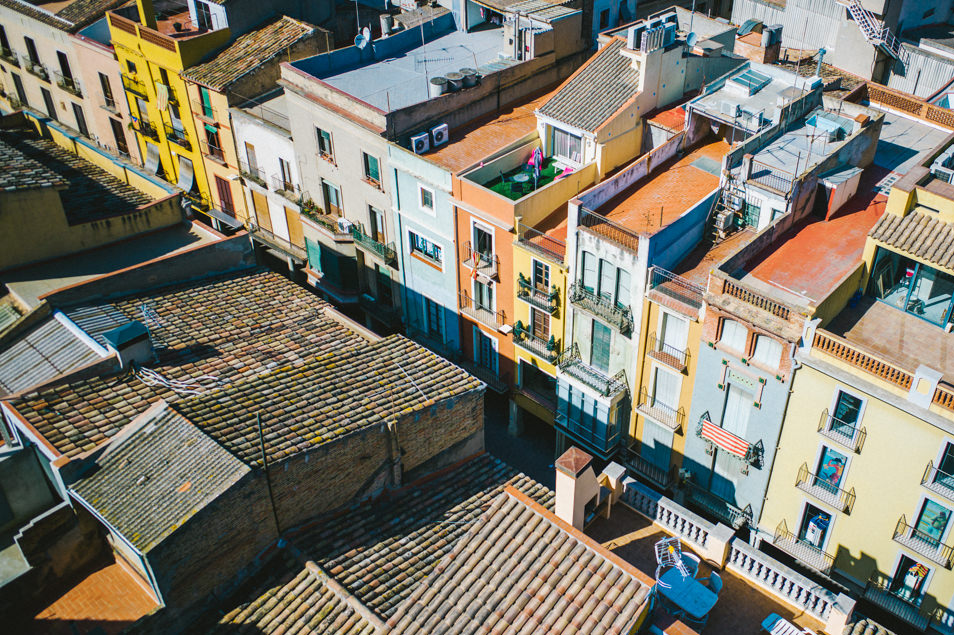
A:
225, 195
262, 219
293, 220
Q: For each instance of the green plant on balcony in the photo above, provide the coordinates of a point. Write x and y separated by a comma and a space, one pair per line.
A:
9, 56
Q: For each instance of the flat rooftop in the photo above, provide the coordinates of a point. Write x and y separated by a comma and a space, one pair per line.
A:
802, 147
669, 192
695, 267
27, 284
479, 139
812, 258
896, 336
402, 80
271, 108
905, 142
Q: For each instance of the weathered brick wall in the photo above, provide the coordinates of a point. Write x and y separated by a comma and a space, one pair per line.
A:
711, 333
442, 434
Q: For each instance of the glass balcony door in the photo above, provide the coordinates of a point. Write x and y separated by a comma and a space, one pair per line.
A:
912, 287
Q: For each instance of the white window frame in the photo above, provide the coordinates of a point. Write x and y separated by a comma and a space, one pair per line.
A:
861, 411
722, 342
831, 523
432, 210
813, 467
496, 347
330, 155
533, 273
655, 369
672, 315
755, 349
939, 501
932, 567
412, 250
493, 293
474, 223
379, 182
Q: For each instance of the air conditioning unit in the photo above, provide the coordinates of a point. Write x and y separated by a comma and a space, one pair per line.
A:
723, 223
439, 134
420, 143
344, 225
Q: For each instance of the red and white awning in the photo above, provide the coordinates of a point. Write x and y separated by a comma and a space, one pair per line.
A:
724, 439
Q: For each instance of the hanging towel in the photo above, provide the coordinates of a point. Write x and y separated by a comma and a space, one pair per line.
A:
162, 95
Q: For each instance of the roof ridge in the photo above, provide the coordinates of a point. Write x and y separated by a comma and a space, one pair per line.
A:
33, 7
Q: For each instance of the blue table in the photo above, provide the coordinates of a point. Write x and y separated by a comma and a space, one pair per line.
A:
688, 594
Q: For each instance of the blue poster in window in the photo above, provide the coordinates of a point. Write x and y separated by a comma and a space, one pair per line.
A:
832, 467
933, 520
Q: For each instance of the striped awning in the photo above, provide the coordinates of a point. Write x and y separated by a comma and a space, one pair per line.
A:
724, 439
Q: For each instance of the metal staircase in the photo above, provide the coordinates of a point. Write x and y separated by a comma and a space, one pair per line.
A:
877, 33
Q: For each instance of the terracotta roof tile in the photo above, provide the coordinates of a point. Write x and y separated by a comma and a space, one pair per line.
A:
920, 233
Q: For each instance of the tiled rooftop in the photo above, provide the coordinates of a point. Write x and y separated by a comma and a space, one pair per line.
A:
43, 353
596, 91
152, 481
673, 119
671, 190
813, 257
919, 234
381, 551
333, 395
68, 16
91, 193
522, 570
225, 328
480, 138
22, 172
249, 52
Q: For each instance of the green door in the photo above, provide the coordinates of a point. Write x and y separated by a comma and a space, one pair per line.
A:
602, 335
750, 215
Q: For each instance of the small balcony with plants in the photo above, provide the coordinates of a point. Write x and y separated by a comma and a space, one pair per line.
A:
177, 136
602, 307
69, 84
547, 349
544, 299
36, 69
337, 228
384, 251
253, 174
9, 56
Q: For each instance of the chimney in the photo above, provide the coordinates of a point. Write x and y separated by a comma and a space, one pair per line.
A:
576, 485
130, 343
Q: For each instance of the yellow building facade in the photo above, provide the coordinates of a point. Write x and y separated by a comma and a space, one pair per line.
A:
151, 54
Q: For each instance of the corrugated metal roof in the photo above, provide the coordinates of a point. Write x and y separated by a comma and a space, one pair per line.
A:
45, 352
597, 91
920, 234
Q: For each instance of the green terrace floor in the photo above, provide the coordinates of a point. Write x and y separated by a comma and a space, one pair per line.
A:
514, 190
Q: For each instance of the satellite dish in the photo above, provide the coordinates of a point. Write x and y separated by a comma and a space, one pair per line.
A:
691, 39
360, 41
366, 33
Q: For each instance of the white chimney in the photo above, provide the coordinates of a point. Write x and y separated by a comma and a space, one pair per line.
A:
576, 485
130, 343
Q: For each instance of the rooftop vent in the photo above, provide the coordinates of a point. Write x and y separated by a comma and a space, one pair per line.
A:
130, 343
653, 35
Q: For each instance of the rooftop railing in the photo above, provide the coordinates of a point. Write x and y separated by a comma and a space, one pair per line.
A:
944, 397
486, 264
676, 358
717, 507
665, 414
772, 178
385, 251
675, 287
605, 308
801, 550
608, 229
755, 299
485, 315
850, 354
923, 543
547, 246
829, 493
848, 435
938, 481
571, 363
544, 300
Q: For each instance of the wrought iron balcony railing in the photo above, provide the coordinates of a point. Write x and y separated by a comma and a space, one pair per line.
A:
898, 601
848, 435
838, 497
486, 315
801, 550
69, 84
922, 543
544, 300
571, 363
717, 507
675, 287
669, 416
938, 481
661, 477
213, 152
177, 136
254, 174
671, 356
36, 69
145, 128
486, 264
133, 85
206, 114
385, 251
548, 349
602, 307
288, 189
734, 446
9, 56
547, 246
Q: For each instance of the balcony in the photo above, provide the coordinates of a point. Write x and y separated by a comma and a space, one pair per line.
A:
879, 592
145, 128
548, 350
550, 248
803, 551
213, 152
662, 413
547, 301
254, 174
382, 310
571, 363
288, 189
660, 477
602, 307
848, 435
482, 314
734, 446
110, 104
384, 251
773, 178
177, 136
717, 507
278, 243
601, 440
486, 264
602, 226
675, 358
837, 497
36, 69
69, 84
665, 286
938, 482
204, 113
494, 381
9, 57
920, 542
132, 85
326, 222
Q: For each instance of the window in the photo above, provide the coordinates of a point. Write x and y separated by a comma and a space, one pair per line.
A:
666, 387
372, 171
18, 86
607, 279
540, 323
433, 319
485, 351
4, 43
831, 470
483, 242
734, 335
207, 111
846, 414
48, 102
176, 120
131, 66
590, 265
225, 195
912, 287
31, 50
814, 526
203, 16
946, 464
768, 351
64, 65
604, 19
252, 158
80, 120
119, 136
750, 215
673, 331
622, 289
324, 144
909, 580
332, 196
567, 145
285, 173
932, 523
426, 198
484, 295
215, 146
377, 225
738, 410
600, 351
424, 247
541, 276
107, 91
